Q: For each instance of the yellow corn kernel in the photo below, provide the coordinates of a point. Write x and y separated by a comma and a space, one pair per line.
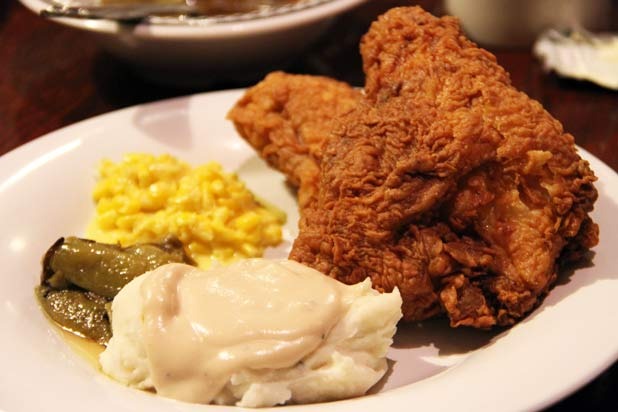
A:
145, 198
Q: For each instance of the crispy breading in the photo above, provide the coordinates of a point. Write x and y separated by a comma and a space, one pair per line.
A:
287, 118
447, 182
442, 180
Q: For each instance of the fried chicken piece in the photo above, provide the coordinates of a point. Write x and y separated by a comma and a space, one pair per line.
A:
287, 118
446, 182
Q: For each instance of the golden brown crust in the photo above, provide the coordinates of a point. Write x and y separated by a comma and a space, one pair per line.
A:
443, 180
287, 118
446, 182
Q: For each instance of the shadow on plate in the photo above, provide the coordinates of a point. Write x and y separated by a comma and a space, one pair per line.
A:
448, 341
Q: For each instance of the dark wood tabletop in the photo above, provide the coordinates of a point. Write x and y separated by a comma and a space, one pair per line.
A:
52, 76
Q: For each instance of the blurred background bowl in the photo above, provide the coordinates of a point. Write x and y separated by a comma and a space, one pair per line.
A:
192, 51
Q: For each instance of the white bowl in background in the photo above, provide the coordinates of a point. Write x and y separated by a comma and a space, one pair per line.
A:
193, 50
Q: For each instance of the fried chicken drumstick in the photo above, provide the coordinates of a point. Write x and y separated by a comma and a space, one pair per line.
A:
443, 180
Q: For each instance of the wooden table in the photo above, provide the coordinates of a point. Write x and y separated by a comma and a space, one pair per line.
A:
52, 76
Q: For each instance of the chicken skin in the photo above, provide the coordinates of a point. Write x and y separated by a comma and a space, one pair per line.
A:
442, 180
287, 118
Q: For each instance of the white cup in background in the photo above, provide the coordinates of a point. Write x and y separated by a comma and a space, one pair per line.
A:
519, 22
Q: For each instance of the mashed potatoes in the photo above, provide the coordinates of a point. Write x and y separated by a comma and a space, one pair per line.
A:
145, 198
256, 333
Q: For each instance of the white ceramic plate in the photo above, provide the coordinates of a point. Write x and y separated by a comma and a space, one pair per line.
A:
45, 193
